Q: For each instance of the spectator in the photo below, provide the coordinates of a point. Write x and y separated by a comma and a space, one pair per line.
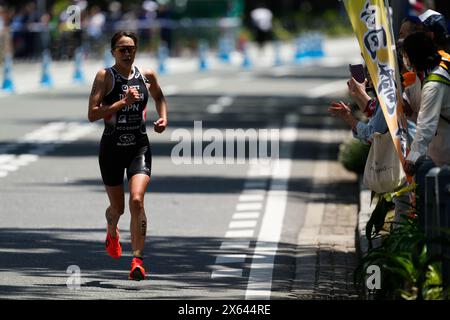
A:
433, 122
435, 24
377, 123
262, 23
96, 22
114, 16
164, 15
411, 82
2, 33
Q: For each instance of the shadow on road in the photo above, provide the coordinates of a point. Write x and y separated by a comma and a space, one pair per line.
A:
34, 262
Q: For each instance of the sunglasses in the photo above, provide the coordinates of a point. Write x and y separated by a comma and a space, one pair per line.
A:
122, 50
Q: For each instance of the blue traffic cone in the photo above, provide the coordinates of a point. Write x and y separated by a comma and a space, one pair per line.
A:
78, 76
46, 79
278, 61
8, 84
202, 50
317, 46
246, 62
300, 52
224, 49
162, 57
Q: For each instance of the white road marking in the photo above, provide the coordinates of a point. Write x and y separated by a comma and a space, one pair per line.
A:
220, 105
260, 278
227, 273
245, 215
251, 197
42, 141
234, 245
249, 206
239, 233
242, 224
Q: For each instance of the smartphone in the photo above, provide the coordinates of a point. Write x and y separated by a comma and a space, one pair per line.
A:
357, 72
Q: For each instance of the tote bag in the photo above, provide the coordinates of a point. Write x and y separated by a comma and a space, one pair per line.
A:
383, 171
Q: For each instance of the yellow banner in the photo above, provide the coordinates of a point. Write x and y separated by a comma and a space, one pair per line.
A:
371, 23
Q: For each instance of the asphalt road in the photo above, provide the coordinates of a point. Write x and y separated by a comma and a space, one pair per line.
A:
206, 221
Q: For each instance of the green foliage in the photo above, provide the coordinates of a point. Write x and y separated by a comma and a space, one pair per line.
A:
330, 22
377, 218
353, 155
279, 32
408, 270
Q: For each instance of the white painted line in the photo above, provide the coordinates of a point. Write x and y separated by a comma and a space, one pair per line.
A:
225, 101
242, 224
245, 215
5, 158
260, 279
27, 158
220, 104
230, 258
239, 233
234, 245
227, 273
43, 141
249, 206
251, 197
214, 108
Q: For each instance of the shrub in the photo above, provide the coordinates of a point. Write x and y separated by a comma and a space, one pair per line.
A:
353, 155
408, 270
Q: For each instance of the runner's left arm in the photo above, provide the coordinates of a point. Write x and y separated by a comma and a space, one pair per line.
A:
160, 101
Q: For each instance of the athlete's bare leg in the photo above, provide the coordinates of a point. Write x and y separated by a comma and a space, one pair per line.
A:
138, 225
116, 207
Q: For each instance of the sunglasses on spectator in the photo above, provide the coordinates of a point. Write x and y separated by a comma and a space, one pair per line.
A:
123, 49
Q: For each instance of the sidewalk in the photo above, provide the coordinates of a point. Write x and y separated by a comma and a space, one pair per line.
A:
326, 255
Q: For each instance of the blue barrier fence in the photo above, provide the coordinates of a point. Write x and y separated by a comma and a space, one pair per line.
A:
307, 46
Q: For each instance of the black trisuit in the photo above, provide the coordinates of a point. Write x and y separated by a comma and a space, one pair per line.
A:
124, 144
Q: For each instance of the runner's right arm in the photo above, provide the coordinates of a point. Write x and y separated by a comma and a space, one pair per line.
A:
99, 111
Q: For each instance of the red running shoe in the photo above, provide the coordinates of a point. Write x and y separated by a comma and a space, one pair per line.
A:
137, 270
113, 246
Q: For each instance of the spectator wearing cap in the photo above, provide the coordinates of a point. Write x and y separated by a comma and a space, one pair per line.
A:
435, 24
433, 122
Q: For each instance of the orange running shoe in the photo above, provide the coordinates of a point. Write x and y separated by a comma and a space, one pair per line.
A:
113, 246
137, 270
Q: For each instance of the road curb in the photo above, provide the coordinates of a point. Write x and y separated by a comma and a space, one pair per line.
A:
364, 211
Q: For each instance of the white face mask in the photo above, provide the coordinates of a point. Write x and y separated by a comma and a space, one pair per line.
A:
406, 63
